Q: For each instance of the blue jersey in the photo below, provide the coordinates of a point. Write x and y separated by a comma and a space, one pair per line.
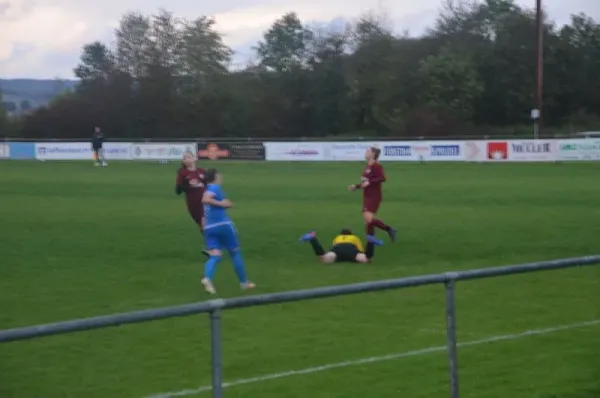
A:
215, 214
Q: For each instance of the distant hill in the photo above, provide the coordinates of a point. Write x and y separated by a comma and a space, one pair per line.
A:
23, 95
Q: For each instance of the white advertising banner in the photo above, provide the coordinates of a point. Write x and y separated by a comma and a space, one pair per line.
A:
348, 151
79, 150
532, 150
4, 151
445, 151
475, 151
296, 151
117, 150
161, 151
405, 151
581, 149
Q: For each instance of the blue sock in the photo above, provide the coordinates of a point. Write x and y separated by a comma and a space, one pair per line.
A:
210, 266
238, 266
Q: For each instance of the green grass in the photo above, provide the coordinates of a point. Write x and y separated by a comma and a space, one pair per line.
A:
78, 241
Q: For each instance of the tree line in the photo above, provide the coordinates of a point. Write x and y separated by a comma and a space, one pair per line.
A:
472, 73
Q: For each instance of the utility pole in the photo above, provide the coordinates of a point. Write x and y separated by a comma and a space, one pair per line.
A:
536, 113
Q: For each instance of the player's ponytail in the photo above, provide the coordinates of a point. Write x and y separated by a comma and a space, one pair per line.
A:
376, 152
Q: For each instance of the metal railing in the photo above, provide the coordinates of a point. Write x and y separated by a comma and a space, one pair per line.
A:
341, 138
214, 308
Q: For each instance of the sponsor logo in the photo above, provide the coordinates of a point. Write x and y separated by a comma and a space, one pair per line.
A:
420, 148
116, 151
497, 150
580, 150
160, 152
350, 146
42, 150
397, 150
445, 150
472, 150
303, 152
213, 152
568, 147
531, 147
579, 147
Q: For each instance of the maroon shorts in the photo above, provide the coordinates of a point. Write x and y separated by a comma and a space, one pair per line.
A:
371, 205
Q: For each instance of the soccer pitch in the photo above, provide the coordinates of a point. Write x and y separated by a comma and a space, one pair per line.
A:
79, 241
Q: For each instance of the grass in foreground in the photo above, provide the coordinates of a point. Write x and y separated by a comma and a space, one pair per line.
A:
77, 241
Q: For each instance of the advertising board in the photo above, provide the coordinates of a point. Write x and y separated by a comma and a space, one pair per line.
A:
4, 151
404, 151
296, 151
348, 151
21, 150
231, 150
475, 151
581, 149
79, 151
532, 150
161, 151
445, 151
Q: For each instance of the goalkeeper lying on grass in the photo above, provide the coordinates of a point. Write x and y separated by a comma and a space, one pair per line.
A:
347, 248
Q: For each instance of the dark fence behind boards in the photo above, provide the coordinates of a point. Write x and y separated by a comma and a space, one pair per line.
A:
214, 308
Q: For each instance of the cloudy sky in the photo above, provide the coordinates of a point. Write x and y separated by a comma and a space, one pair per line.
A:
43, 38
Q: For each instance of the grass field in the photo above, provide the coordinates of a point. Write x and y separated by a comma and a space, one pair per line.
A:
78, 241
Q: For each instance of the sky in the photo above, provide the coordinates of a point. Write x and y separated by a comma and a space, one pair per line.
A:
43, 38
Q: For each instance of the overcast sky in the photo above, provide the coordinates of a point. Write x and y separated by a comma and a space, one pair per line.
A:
43, 38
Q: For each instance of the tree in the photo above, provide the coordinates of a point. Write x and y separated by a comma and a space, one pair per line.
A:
25, 106
133, 46
284, 45
96, 63
450, 85
370, 71
3, 118
473, 72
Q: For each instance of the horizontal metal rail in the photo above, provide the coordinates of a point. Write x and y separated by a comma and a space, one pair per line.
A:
106, 321
230, 139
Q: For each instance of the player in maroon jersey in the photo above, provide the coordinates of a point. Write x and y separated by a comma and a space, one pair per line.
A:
372, 178
190, 179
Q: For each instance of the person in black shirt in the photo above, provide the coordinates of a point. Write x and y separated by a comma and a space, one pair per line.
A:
97, 142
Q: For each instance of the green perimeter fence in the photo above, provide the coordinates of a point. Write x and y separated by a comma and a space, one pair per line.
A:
215, 307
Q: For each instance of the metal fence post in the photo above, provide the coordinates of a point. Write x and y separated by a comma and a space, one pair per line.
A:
451, 334
216, 355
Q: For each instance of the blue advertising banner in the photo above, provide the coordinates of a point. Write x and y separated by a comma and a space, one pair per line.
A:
22, 150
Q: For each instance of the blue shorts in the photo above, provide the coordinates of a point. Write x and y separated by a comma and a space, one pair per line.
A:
221, 236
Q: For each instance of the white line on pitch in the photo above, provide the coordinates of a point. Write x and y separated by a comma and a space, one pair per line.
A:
382, 358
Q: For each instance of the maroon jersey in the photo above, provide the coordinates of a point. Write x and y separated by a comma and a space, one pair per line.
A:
375, 175
192, 183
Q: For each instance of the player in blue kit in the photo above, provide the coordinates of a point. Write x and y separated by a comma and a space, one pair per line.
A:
220, 233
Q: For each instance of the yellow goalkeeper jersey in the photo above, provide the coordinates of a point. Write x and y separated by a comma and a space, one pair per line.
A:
349, 239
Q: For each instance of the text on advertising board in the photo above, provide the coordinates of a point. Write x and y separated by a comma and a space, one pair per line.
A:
299, 151
531, 147
582, 149
161, 151
445, 150
231, 150
213, 152
397, 150
79, 151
